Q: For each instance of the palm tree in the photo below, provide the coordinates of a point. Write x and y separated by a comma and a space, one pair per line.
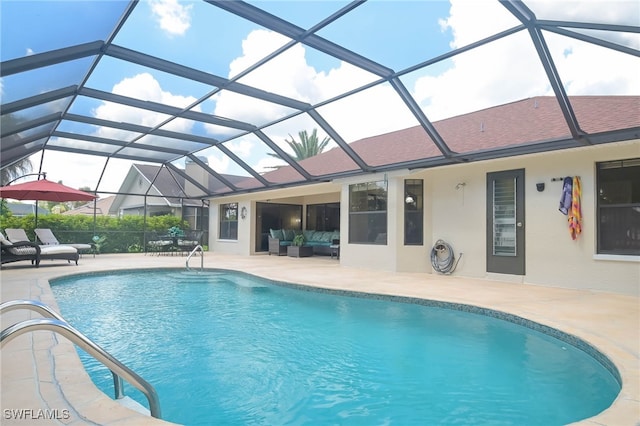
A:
15, 170
19, 168
308, 146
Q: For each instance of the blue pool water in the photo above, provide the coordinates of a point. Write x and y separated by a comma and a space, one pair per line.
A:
227, 348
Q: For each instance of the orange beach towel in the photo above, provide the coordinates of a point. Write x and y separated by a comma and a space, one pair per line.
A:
575, 214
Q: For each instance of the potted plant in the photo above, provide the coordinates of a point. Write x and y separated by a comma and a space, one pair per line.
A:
298, 249
175, 231
298, 240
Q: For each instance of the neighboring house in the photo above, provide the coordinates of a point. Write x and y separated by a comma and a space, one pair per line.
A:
165, 195
23, 209
502, 213
100, 207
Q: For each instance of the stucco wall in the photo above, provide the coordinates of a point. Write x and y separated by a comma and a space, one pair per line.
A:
245, 245
240, 246
552, 257
455, 211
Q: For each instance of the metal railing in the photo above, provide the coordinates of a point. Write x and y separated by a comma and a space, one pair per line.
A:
196, 248
57, 324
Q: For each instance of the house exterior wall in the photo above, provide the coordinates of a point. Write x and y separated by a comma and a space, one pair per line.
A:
134, 204
245, 244
457, 214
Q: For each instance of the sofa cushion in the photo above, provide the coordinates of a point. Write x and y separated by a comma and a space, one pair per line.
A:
326, 237
317, 236
289, 234
318, 244
276, 233
308, 234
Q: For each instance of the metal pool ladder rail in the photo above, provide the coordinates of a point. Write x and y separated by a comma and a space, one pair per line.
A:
195, 249
54, 322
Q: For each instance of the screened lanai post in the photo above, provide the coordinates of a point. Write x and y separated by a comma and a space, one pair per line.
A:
95, 223
204, 203
529, 19
144, 224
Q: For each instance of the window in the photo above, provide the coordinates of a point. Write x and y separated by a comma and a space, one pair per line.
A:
413, 212
323, 217
229, 221
275, 216
368, 213
618, 184
197, 217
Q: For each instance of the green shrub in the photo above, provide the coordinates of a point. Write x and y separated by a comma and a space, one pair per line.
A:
115, 235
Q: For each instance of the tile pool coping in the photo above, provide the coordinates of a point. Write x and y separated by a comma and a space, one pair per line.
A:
573, 313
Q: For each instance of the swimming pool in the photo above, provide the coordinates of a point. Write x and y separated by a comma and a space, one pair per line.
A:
228, 348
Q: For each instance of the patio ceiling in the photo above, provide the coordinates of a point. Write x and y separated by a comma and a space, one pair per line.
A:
110, 83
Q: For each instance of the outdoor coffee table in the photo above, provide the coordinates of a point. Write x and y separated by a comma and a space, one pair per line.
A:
299, 251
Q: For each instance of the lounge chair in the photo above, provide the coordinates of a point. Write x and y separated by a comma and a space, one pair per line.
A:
159, 244
190, 241
51, 252
46, 237
15, 252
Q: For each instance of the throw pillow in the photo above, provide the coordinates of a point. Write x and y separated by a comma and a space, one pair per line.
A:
276, 233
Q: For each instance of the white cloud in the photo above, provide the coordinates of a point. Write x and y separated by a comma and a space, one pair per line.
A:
509, 69
221, 163
504, 71
87, 171
172, 17
292, 76
145, 87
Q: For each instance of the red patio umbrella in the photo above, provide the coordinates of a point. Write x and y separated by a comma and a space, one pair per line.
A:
44, 190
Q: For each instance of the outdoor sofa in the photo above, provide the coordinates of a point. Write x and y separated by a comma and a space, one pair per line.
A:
321, 241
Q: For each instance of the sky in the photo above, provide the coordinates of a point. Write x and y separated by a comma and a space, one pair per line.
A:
397, 34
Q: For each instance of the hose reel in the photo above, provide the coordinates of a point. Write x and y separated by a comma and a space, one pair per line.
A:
443, 258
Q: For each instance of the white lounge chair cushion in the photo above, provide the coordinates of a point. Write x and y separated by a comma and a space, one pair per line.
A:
159, 243
79, 246
48, 238
56, 249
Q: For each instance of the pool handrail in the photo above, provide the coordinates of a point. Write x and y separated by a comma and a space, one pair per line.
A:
57, 324
196, 248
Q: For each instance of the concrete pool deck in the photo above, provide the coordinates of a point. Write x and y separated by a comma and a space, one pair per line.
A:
43, 381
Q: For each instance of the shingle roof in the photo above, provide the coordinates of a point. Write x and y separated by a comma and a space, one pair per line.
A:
102, 206
529, 121
23, 209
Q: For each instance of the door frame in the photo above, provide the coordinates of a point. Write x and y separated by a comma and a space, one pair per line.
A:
507, 264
